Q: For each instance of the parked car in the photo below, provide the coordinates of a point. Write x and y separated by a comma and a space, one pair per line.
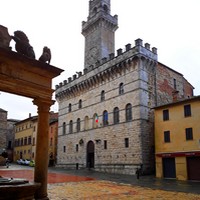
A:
26, 162
32, 163
21, 161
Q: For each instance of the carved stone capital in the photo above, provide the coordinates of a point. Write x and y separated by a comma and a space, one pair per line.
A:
43, 104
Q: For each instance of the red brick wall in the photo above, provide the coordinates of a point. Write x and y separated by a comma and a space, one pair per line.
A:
166, 91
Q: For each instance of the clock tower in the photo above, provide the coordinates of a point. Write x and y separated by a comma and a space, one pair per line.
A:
99, 32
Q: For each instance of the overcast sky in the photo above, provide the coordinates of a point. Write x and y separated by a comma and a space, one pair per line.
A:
172, 26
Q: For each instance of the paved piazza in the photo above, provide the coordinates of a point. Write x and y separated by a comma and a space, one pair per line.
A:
106, 190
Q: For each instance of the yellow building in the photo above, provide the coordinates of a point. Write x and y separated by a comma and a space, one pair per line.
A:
24, 138
177, 140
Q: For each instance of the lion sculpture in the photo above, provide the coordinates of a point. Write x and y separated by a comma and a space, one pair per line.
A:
22, 45
46, 55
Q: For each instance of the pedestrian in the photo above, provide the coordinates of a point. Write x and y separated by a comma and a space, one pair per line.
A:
137, 173
7, 162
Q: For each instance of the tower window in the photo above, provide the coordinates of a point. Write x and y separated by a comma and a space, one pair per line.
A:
95, 10
105, 8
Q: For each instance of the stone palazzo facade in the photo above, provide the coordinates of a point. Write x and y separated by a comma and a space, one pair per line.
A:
106, 120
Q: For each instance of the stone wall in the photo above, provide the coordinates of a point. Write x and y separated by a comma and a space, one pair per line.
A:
3, 131
3, 128
146, 84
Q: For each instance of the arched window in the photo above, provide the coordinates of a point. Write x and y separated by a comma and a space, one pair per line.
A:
80, 104
105, 8
70, 107
105, 117
102, 95
128, 112
64, 128
86, 123
78, 125
95, 120
116, 115
121, 88
71, 126
94, 10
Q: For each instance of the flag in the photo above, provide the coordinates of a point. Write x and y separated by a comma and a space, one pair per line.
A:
96, 118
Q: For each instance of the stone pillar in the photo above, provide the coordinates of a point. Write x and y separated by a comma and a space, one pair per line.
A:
42, 146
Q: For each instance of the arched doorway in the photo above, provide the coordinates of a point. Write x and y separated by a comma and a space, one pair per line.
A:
90, 154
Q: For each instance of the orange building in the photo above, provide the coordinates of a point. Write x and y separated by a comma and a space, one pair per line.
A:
53, 135
177, 139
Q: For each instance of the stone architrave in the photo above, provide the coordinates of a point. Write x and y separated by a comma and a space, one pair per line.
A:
30, 78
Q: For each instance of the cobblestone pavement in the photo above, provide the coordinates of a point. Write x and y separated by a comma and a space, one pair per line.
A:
107, 190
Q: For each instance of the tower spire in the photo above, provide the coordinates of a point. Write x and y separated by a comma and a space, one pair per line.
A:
99, 32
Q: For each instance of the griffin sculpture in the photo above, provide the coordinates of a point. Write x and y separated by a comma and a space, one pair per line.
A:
22, 45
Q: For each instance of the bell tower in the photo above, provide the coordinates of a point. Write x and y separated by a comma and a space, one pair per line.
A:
99, 32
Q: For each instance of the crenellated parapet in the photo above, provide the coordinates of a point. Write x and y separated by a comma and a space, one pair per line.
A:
107, 68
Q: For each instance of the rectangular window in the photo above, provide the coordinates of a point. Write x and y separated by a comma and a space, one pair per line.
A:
166, 136
126, 140
165, 115
25, 141
189, 134
187, 110
174, 83
105, 144
29, 140
64, 149
76, 147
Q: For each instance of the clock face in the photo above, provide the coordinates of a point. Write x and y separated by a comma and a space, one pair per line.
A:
92, 56
93, 52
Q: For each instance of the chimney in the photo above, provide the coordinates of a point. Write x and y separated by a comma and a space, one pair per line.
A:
29, 115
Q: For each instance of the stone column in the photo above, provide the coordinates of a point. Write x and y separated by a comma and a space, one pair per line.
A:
42, 146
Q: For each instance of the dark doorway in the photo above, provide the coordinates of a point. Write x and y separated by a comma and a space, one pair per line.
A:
20, 155
193, 166
90, 154
169, 168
